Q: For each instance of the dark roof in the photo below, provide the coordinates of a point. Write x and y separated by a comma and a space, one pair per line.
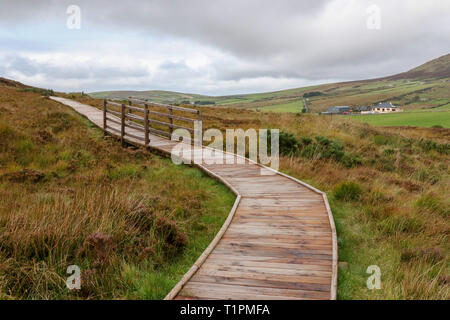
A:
338, 108
384, 105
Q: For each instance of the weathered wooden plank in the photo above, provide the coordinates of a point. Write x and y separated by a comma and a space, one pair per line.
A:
280, 243
264, 276
229, 291
263, 283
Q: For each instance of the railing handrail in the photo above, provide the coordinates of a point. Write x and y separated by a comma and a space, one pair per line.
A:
127, 119
168, 106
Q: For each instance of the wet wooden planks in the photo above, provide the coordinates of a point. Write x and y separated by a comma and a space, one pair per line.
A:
280, 240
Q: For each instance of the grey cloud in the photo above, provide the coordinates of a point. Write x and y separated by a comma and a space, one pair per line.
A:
74, 70
321, 39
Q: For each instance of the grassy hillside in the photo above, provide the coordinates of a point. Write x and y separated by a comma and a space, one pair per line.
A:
159, 96
132, 221
426, 86
436, 68
388, 190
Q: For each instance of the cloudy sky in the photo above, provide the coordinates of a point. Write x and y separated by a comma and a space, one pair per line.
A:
216, 47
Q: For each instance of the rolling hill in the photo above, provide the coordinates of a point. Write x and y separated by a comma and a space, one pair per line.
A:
426, 86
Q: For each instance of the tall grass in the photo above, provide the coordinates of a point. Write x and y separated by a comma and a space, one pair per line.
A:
389, 196
392, 199
133, 222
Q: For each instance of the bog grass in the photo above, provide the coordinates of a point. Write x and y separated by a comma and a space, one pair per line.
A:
388, 191
391, 205
132, 221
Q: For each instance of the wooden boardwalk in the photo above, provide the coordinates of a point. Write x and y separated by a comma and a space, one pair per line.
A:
278, 242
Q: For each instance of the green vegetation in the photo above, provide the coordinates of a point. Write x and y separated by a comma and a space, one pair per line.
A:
347, 191
415, 119
386, 186
390, 206
132, 221
43, 92
319, 148
424, 87
293, 107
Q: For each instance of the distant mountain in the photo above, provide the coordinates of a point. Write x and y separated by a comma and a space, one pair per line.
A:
437, 68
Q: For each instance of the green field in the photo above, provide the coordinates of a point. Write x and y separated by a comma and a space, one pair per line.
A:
420, 92
413, 119
294, 107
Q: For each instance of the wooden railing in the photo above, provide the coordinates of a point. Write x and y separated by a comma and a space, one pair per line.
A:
137, 115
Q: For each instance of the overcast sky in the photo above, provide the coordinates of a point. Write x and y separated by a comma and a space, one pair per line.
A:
216, 47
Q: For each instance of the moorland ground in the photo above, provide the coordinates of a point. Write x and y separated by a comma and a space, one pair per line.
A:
388, 190
132, 221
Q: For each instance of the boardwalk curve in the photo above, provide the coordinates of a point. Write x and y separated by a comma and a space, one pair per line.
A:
278, 241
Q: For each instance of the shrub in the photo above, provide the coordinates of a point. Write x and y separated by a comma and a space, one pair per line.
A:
349, 160
428, 145
305, 141
380, 140
348, 191
44, 92
59, 121
288, 144
173, 239
324, 148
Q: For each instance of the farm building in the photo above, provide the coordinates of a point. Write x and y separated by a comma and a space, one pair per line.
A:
382, 107
338, 110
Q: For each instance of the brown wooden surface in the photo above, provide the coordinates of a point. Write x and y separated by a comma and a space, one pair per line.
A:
279, 241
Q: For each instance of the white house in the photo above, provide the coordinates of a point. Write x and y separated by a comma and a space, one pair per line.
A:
382, 107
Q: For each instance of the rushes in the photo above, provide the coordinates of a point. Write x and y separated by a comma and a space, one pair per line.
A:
68, 196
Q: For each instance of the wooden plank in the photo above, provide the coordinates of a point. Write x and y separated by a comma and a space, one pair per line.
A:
224, 291
262, 283
275, 254
281, 241
265, 276
230, 289
222, 261
246, 270
263, 259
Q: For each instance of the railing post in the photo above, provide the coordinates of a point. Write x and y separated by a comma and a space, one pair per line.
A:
122, 128
129, 111
171, 121
147, 133
200, 122
104, 117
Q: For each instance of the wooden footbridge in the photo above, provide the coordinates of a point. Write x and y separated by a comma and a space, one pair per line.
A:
279, 240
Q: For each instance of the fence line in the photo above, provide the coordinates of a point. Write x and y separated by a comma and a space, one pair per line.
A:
138, 116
